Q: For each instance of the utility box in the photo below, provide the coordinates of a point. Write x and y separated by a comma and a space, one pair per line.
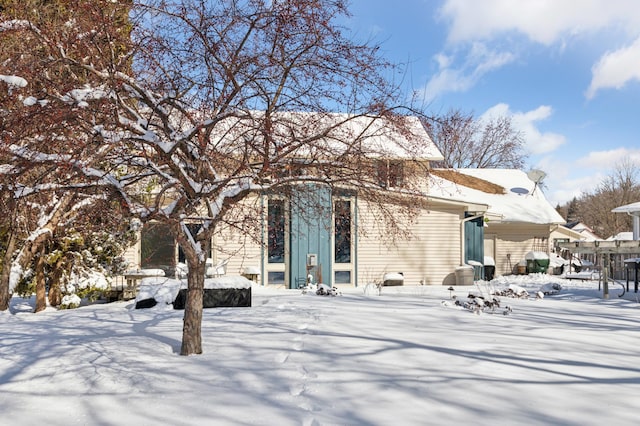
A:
464, 275
393, 278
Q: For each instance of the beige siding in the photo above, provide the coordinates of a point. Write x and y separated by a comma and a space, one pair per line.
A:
240, 251
429, 257
132, 255
513, 241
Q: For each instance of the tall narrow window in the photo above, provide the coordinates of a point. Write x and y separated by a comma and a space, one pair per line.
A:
342, 231
275, 223
157, 248
396, 174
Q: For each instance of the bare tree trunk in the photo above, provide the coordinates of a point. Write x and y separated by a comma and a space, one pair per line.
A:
41, 299
192, 323
6, 272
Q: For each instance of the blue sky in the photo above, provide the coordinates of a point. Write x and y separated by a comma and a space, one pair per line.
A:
566, 72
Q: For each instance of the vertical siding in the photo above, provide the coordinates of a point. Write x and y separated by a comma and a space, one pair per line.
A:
429, 257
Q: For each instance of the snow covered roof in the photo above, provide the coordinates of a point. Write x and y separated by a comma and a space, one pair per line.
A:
509, 193
628, 208
403, 137
621, 236
585, 233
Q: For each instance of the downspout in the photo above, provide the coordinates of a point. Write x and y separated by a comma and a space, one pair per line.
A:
462, 236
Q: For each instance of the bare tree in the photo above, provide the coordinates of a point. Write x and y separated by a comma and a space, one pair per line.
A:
466, 142
226, 100
619, 188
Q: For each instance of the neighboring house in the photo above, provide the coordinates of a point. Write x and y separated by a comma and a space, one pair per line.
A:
519, 218
586, 233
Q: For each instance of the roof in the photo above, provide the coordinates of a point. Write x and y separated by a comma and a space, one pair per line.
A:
568, 232
622, 236
398, 137
586, 233
510, 194
633, 208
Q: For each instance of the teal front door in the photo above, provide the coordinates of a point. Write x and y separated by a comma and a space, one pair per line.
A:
474, 241
310, 234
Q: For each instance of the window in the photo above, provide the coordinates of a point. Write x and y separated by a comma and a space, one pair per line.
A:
275, 224
194, 228
275, 277
157, 248
342, 277
390, 173
342, 229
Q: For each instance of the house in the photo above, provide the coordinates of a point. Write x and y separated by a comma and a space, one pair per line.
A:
347, 241
344, 241
586, 233
462, 216
518, 219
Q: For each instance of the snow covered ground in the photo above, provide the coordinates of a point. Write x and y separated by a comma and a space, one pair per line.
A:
406, 357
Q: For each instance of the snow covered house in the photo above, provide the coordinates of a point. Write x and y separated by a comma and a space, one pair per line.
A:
586, 233
463, 216
518, 219
344, 242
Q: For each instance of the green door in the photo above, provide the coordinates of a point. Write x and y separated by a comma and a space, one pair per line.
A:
474, 241
310, 234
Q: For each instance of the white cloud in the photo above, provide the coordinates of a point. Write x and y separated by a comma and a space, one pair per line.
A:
564, 190
572, 177
550, 22
536, 141
447, 80
615, 69
605, 160
566, 179
479, 61
443, 60
542, 21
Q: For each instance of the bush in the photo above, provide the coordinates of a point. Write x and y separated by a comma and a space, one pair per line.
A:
26, 287
70, 302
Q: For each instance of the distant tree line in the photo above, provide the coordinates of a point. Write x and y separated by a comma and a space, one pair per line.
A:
593, 208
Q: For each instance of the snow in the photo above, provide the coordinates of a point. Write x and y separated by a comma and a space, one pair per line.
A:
71, 300
622, 236
536, 255
409, 356
510, 206
165, 290
82, 96
633, 208
13, 81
